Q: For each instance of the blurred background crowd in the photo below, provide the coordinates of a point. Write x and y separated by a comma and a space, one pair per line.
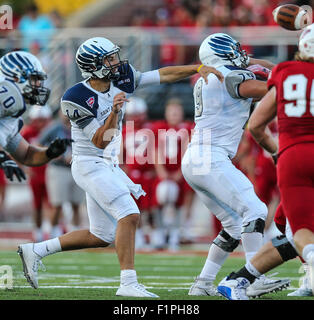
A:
152, 34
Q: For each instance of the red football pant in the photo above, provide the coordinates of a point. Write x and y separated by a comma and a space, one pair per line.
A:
296, 184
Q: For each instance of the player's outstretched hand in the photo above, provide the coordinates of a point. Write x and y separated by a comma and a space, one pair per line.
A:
260, 72
204, 71
10, 168
57, 147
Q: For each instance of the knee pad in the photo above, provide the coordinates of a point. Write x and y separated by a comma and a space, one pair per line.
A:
284, 247
254, 226
229, 245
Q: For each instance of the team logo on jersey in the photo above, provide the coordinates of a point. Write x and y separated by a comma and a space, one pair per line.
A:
90, 101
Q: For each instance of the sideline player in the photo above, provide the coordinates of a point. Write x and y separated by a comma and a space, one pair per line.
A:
221, 112
96, 108
291, 98
172, 194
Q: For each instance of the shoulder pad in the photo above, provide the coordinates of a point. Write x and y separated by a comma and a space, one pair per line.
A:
127, 82
234, 78
11, 100
83, 98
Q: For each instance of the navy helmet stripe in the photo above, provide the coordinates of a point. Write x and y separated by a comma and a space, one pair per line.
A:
219, 47
8, 63
221, 42
13, 59
26, 61
89, 50
99, 49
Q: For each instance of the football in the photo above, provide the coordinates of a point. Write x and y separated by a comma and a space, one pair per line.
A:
291, 17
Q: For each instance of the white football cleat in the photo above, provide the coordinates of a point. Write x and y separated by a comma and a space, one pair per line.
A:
203, 287
311, 270
31, 261
135, 290
234, 289
304, 290
264, 285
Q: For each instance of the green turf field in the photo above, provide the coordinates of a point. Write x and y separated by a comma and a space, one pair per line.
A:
85, 275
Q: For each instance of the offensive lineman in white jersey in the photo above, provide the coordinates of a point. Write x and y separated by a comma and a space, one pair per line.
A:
95, 108
21, 84
221, 112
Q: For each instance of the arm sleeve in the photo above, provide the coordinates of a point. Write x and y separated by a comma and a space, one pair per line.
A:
148, 78
13, 143
234, 79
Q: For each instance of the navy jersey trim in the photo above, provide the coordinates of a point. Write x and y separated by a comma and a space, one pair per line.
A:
82, 96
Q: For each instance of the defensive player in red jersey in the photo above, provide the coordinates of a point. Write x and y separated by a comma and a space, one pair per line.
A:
172, 192
291, 98
138, 153
39, 118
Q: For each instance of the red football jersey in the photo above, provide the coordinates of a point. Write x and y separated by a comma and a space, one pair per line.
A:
138, 146
295, 102
30, 134
170, 141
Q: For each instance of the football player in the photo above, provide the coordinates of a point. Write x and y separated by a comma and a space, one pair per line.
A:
221, 112
96, 107
290, 97
172, 195
22, 84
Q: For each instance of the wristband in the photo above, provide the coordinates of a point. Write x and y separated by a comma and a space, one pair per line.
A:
199, 68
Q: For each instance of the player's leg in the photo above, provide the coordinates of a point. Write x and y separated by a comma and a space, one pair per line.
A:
57, 189
296, 181
225, 242
272, 254
101, 234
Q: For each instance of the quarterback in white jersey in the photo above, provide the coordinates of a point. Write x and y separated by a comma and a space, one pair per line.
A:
221, 112
21, 84
96, 108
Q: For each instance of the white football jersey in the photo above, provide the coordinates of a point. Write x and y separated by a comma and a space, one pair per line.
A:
12, 106
88, 109
220, 112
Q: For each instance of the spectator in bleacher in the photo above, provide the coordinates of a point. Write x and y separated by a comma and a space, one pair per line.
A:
35, 27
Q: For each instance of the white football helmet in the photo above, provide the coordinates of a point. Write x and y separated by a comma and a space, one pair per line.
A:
92, 55
306, 42
27, 72
220, 49
167, 192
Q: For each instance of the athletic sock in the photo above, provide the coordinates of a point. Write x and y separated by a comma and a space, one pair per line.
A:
251, 243
128, 277
306, 250
215, 259
243, 273
48, 247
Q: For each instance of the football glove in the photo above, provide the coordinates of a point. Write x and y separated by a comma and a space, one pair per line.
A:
260, 72
10, 168
57, 147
